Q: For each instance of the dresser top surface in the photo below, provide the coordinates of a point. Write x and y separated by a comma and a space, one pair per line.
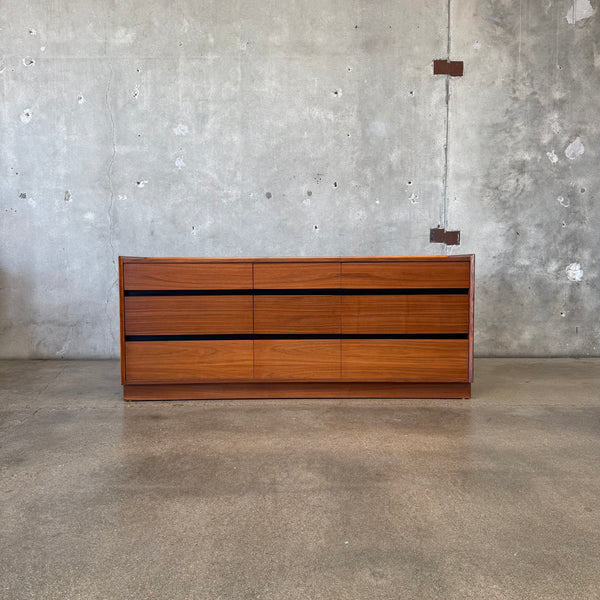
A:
296, 259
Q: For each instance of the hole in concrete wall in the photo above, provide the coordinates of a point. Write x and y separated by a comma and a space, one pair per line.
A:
269, 195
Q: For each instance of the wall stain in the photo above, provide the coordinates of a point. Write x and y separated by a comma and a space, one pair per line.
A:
574, 272
575, 149
581, 9
181, 129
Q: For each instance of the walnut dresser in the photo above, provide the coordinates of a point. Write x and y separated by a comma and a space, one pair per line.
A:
343, 327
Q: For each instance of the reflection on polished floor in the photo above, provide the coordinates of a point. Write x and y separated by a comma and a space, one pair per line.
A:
492, 497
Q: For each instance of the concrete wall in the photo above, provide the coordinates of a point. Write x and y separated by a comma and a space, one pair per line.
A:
222, 128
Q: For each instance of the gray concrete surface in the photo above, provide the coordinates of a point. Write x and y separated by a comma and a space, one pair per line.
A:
204, 128
494, 497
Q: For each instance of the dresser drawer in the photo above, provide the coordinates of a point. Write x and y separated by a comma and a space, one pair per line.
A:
402, 314
284, 275
405, 360
419, 275
297, 360
188, 315
187, 276
297, 314
188, 361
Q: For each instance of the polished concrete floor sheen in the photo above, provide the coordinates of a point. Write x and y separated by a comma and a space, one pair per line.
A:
496, 497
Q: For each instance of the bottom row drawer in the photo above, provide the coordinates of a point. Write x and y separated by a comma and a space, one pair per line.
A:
188, 361
405, 360
297, 360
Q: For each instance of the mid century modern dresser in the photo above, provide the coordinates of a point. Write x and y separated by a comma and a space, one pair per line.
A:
343, 327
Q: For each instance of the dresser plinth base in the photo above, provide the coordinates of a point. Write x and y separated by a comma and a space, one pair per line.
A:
222, 391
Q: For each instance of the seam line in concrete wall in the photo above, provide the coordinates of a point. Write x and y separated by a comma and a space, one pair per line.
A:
446, 135
109, 169
111, 164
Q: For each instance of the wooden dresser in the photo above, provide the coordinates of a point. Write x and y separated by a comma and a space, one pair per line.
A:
344, 327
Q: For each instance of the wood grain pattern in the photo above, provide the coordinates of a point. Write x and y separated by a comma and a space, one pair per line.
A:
300, 360
188, 315
437, 274
188, 361
306, 274
405, 314
405, 360
297, 368
183, 276
297, 314
211, 391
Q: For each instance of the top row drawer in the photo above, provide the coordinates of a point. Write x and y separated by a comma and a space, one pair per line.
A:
187, 276
301, 275
397, 275
308, 275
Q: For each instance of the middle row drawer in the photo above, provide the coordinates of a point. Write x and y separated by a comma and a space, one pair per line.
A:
296, 314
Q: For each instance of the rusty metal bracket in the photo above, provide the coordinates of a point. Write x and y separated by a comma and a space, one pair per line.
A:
454, 68
441, 236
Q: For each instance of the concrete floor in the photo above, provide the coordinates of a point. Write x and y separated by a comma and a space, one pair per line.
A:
493, 497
